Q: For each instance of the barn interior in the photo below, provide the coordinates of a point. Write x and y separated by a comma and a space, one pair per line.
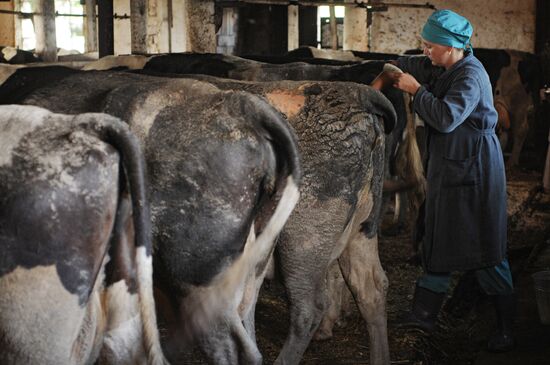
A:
75, 33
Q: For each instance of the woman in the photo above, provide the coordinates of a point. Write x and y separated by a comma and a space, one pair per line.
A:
465, 208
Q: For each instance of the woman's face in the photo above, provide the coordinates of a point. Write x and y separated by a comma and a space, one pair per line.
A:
437, 53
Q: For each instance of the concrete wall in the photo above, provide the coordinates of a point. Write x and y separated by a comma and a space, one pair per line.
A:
497, 24
7, 25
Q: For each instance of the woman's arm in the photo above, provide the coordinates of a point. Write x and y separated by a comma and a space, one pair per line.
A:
449, 112
419, 66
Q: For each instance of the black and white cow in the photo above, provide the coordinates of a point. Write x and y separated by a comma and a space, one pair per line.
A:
223, 168
75, 276
342, 145
516, 78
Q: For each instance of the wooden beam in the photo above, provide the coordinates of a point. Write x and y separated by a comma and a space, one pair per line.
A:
293, 28
44, 28
138, 25
91, 26
106, 28
333, 28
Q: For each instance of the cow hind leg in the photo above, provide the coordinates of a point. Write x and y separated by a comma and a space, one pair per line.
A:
307, 295
305, 316
367, 281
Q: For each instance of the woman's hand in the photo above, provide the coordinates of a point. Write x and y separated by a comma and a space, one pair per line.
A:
404, 81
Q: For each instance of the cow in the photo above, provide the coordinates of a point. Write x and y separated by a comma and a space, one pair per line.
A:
224, 171
14, 55
402, 143
336, 220
75, 242
342, 144
516, 80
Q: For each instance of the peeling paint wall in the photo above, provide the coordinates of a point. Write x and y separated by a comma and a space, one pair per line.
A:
497, 24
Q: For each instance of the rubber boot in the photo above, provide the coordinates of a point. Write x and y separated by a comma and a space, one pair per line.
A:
426, 306
503, 340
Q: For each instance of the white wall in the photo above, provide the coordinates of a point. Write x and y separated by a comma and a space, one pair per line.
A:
121, 28
497, 24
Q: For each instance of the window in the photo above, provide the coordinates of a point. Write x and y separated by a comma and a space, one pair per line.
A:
69, 30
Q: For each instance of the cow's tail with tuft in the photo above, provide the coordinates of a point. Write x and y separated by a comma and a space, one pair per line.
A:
409, 162
116, 133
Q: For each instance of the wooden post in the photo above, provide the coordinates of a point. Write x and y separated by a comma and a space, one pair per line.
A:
44, 28
333, 28
139, 13
293, 27
105, 25
91, 28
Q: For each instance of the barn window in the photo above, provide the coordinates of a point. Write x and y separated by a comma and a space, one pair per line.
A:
69, 30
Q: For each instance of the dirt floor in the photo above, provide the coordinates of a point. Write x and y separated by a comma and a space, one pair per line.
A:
467, 318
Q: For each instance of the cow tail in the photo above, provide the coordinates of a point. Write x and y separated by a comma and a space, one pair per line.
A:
370, 226
285, 143
117, 134
409, 163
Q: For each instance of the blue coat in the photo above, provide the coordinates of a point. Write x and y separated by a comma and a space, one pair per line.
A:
465, 220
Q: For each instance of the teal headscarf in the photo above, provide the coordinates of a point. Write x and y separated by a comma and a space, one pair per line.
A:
449, 29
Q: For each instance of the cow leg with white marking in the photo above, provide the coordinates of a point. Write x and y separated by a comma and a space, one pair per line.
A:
366, 279
362, 270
